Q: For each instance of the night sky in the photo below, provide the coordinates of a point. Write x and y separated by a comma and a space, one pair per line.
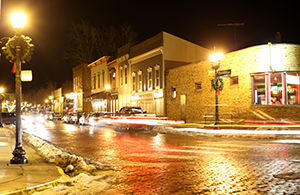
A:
196, 21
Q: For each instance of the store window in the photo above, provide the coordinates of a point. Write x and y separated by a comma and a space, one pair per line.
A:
293, 87
259, 89
275, 88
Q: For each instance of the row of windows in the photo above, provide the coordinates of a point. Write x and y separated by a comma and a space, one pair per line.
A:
151, 74
275, 88
98, 80
77, 84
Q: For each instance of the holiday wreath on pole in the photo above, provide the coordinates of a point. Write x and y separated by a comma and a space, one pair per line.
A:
217, 84
26, 48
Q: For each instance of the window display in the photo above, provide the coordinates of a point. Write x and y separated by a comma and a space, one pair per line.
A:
275, 88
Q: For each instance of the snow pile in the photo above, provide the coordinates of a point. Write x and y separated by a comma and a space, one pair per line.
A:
81, 184
70, 163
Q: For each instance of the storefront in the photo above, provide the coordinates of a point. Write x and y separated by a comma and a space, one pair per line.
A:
264, 83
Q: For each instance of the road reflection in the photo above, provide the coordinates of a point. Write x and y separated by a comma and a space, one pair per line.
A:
171, 164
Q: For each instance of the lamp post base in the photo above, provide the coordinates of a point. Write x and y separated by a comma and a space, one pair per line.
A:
19, 156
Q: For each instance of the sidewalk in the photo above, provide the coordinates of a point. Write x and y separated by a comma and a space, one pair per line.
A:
18, 179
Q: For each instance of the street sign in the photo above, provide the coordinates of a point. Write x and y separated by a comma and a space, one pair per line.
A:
224, 73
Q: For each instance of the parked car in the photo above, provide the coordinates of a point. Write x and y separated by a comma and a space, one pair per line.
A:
130, 110
84, 119
8, 118
75, 117
67, 118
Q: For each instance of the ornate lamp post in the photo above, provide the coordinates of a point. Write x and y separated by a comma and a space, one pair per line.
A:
217, 83
18, 49
1, 100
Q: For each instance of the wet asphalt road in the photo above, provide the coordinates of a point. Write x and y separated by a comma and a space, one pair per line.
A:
156, 163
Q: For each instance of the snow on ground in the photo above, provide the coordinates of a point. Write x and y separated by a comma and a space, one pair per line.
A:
87, 176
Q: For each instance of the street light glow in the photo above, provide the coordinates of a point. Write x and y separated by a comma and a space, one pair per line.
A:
216, 56
18, 19
107, 87
2, 90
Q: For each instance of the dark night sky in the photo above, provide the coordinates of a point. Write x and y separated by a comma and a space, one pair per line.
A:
196, 21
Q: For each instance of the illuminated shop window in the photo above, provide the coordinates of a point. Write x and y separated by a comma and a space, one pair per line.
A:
293, 87
259, 89
275, 88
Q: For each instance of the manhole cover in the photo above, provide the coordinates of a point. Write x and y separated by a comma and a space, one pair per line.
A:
289, 175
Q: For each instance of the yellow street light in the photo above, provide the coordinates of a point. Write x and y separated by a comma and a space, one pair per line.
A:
51, 97
107, 87
2, 90
46, 100
216, 57
18, 19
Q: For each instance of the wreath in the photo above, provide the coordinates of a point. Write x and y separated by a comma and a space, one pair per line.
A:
26, 48
217, 84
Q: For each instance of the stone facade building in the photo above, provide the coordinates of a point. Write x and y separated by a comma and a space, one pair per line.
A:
264, 83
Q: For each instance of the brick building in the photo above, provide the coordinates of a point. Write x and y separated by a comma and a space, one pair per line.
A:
264, 83
82, 88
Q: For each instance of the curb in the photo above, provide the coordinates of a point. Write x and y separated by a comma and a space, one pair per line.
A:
40, 187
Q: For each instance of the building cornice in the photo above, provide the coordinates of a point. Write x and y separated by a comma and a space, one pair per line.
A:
144, 56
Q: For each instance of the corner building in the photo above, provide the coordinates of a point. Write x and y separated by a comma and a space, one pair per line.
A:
264, 84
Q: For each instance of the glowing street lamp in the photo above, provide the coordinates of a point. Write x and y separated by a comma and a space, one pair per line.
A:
215, 59
18, 20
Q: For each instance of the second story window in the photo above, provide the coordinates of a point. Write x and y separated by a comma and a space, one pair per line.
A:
121, 76
157, 77
94, 81
103, 78
125, 75
133, 82
149, 78
98, 79
140, 81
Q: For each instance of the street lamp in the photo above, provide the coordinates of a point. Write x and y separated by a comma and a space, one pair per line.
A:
1, 100
18, 20
215, 59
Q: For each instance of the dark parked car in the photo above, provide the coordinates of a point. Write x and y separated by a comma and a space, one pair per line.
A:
9, 118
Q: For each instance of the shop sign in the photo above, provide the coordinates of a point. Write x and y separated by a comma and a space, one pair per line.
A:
224, 73
291, 79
